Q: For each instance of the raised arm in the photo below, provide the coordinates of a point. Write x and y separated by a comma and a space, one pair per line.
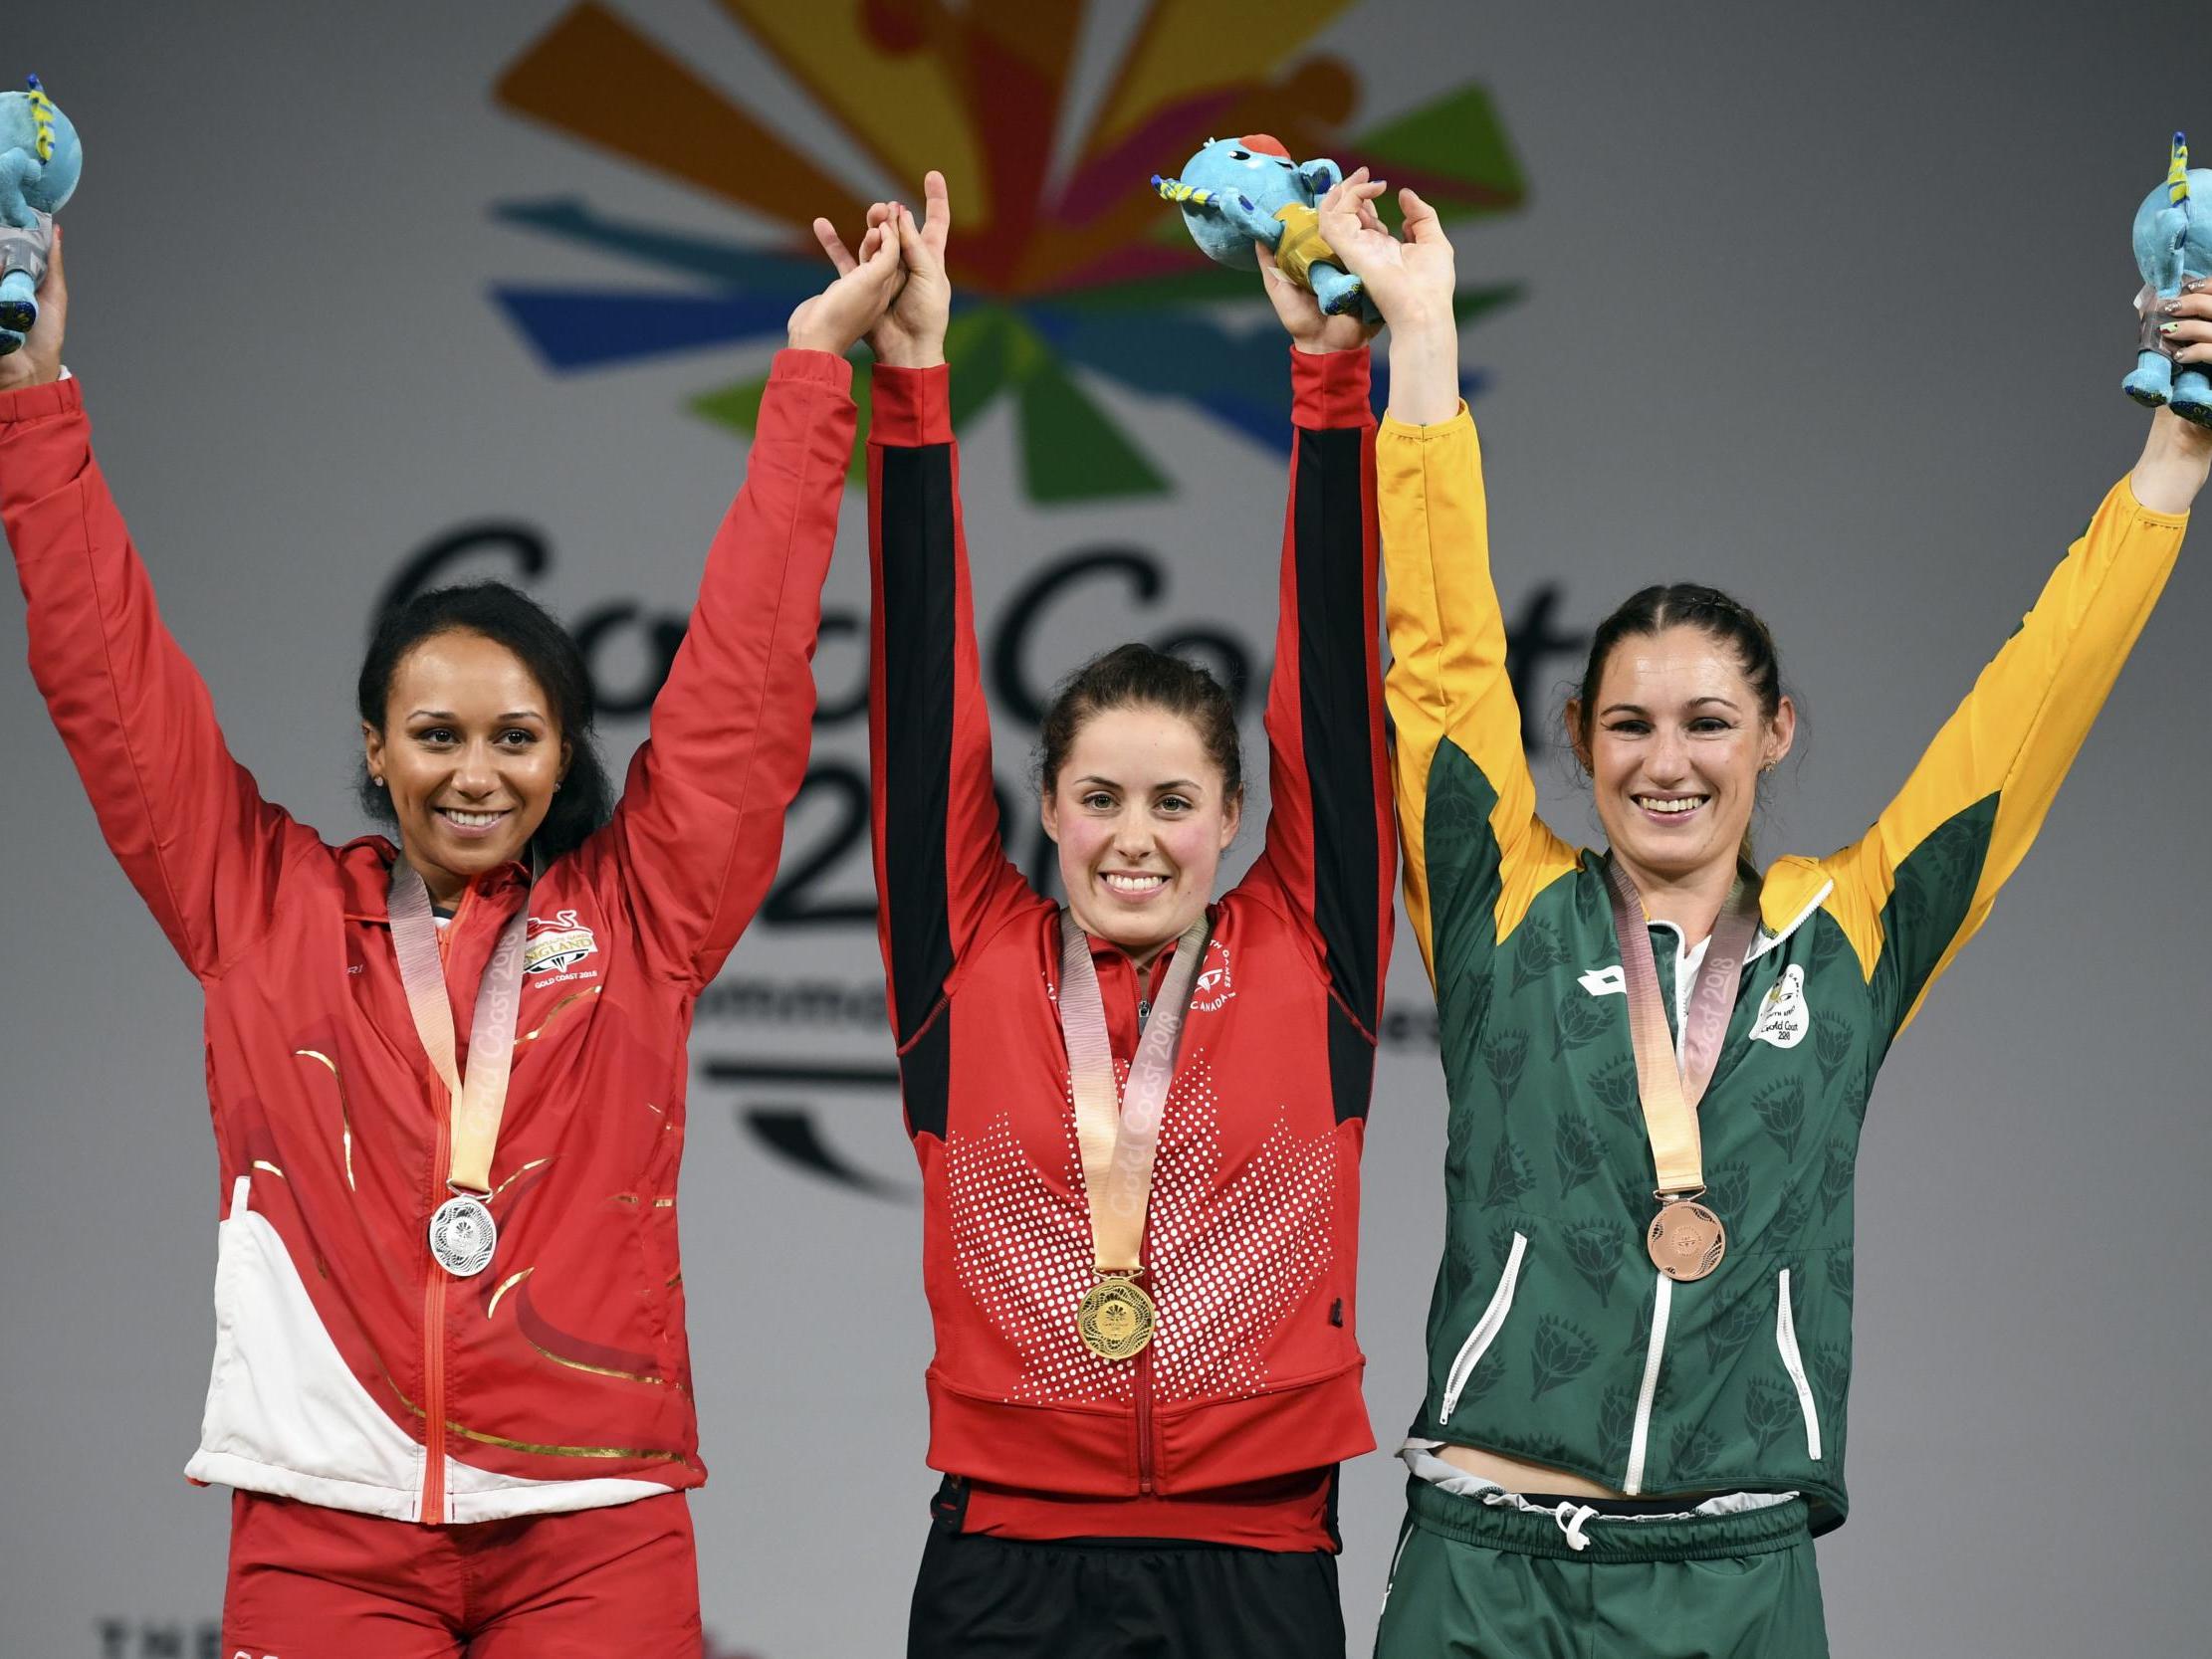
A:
942, 877
700, 821
1475, 853
1330, 853
1917, 885
184, 818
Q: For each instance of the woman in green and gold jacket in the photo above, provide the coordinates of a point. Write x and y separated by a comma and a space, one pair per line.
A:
1606, 1445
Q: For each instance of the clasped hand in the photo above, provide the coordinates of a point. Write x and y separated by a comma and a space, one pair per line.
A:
893, 294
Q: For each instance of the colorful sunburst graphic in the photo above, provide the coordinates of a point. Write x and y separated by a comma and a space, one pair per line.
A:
1050, 259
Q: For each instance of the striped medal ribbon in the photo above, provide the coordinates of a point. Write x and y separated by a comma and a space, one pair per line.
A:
1686, 1238
1119, 1131
463, 1234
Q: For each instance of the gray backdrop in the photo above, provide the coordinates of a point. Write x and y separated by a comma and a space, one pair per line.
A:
1826, 305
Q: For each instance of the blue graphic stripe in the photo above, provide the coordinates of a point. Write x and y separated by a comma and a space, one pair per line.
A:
578, 329
1238, 379
795, 275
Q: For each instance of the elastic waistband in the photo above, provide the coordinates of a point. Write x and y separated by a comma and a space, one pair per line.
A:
1606, 1537
1068, 1548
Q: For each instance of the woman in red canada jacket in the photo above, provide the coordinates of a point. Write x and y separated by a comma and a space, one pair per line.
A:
1175, 1500
412, 1410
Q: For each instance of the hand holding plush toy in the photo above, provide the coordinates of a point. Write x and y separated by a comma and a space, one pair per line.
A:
2173, 250
40, 163
1239, 191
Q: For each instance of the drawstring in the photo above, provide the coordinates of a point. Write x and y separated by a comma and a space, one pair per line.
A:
1572, 1518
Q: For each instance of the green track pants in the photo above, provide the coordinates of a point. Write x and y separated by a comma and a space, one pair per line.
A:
1477, 1582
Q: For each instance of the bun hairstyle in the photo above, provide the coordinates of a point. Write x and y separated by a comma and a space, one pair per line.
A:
1138, 677
509, 617
1652, 610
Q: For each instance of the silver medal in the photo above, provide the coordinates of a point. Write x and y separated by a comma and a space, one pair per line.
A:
463, 1236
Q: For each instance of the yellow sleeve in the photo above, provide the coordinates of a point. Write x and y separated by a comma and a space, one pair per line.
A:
1917, 885
1475, 853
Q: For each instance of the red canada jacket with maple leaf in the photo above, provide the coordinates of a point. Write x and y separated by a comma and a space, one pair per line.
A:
351, 1370
1253, 1234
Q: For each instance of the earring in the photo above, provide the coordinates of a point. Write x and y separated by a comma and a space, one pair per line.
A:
1768, 768
379, 782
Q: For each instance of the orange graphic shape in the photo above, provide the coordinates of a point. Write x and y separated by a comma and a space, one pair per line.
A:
594, 77
887, 84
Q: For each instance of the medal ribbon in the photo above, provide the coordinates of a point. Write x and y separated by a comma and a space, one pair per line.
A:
1671, 1091
475, 1110
1120, 1136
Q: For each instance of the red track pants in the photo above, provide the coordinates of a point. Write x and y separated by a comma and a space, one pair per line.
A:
308, 1582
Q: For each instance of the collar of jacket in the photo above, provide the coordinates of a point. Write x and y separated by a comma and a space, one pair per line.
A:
1105, 951
364, 879
1793, 890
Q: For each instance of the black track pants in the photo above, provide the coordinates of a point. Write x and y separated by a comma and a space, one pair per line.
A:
983, 1597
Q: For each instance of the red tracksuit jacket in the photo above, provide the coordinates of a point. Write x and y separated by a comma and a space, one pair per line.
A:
1254, 1228
351, 1370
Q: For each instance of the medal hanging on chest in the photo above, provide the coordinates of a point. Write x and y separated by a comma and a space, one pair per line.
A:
462, 1233
1116, 1318
1119, 1133
1686, 1239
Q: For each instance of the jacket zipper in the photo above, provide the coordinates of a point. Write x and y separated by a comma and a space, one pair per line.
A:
433, 1342
1144, 1239
1639, 1440
1785, 1339
1485, 1330
1144, 1421
434, 1279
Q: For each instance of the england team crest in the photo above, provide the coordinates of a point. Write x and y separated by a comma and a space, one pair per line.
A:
556, 946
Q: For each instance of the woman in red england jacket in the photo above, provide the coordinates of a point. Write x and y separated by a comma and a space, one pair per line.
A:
449, 1311
1146, 1367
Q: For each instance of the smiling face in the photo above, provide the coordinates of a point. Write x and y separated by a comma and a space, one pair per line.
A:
470, 755
1675, 742
1141, 818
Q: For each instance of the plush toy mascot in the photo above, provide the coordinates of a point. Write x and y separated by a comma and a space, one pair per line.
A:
40, 163
2173, 250
1239, 191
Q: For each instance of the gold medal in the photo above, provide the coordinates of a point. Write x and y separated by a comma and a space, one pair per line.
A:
1116, 1318
1686, 1240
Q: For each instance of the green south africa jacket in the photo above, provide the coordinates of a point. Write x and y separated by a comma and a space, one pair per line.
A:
1551, 1337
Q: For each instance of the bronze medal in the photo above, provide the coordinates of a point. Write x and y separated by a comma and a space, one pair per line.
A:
1686, 1240
1115, 1317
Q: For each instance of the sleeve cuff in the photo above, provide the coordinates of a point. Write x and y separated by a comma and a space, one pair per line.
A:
2125, 488
821, 368
30, 403
910, 407
1330, 388
1393, 427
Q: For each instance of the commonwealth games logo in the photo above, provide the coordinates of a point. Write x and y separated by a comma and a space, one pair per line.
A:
1048, 118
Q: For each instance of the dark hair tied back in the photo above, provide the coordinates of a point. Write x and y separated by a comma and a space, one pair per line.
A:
1138, 677
1685, 605
511, 618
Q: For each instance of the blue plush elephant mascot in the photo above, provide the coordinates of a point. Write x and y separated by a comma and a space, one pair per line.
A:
1239, 191
2173, 249
40, 163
